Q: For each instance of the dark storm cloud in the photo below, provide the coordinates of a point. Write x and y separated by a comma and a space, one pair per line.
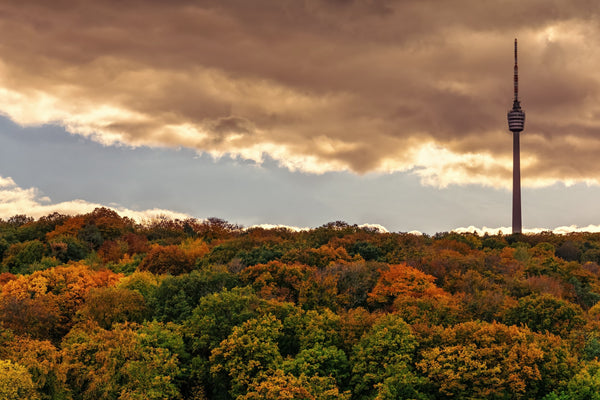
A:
319, 85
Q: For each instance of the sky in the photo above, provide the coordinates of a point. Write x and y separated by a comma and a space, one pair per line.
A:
301, 112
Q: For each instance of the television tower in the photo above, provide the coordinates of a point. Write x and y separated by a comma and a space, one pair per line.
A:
516, 121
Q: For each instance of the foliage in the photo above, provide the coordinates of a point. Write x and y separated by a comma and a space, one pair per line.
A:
175, 297
277, 280
16, 382
118, 363
400, 280
483, 360
248, 353
544, 313
386, 351
95, 306
43, 362
44, 303
167, 259
109, 305
320, 361
19, 256
284, 386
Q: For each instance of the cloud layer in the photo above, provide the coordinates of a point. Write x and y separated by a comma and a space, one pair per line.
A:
560, 230
319, 85
15, 200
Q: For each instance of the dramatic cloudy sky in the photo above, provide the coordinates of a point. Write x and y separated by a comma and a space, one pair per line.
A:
300, 112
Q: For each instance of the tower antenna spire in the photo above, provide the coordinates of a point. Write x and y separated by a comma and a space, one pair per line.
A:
516, 76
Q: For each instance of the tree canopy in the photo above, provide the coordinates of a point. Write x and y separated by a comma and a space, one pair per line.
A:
96, 306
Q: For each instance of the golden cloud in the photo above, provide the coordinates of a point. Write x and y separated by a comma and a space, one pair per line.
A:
14, 199
319, 85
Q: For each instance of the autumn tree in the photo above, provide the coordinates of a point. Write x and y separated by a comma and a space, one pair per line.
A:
16, 382
319, 292
401, 280
437, 310
39, 316
354, 281
170, 259
44, 303
354, 323
481, 297
43, 362
285, 386
112, 250
164, 231
69, 228
117, 363
320, 257
493, 361
109, 305
109, 223
277, 280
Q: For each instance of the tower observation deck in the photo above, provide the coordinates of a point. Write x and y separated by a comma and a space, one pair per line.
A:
516, 122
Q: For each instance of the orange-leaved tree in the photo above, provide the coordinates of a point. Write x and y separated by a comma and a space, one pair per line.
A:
402, 280
170, 259
43, 304
277, 280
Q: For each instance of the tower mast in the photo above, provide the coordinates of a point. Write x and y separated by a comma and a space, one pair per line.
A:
516, 122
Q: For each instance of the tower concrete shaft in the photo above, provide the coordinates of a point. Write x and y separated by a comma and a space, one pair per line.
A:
516, 199
516, 123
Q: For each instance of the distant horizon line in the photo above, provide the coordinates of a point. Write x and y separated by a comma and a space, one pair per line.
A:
142, 217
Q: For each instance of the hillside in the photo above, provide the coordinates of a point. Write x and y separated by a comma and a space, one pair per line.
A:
96, 306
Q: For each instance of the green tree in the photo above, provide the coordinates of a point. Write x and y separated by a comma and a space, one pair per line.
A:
215, 317
145, 283
68, 248
20, 256
177, 296
545, 312
368, 251
316, 327
249, 352
387, 350
217, 314
91, 235
585, 385
321, 361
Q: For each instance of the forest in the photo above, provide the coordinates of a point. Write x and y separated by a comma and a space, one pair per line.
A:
98, 306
